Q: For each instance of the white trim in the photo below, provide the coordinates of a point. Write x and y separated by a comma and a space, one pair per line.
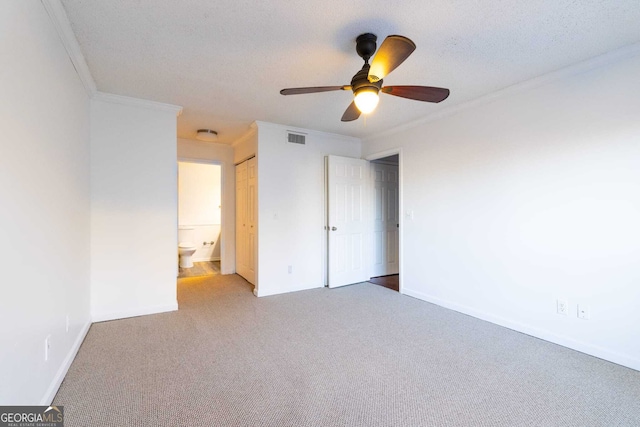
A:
593, 350
64, 368
248, 134
386, 153
60, 20
572, 70
133, 312
136, 102
201, 161
297, 288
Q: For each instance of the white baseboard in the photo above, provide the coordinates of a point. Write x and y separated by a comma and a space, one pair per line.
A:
590, 349
278, 291
66, 364
134, 312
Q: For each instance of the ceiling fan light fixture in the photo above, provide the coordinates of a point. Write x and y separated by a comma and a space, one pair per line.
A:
207, 135
367, 99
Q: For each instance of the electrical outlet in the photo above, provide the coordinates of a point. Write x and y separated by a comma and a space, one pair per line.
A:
584, 312
562, 306
290, 269
47, 347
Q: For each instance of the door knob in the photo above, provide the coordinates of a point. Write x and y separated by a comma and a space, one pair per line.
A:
334, 228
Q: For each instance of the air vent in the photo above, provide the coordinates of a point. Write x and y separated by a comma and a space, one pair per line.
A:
296, 138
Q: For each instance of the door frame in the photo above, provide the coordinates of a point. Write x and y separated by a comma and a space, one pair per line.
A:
380, 155
223, 260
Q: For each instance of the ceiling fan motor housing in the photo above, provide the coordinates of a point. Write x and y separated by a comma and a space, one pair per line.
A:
361, 81
366, 46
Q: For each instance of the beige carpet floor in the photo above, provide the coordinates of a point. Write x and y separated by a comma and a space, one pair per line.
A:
361, 355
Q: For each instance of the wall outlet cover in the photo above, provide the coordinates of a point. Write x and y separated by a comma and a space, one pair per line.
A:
562, 307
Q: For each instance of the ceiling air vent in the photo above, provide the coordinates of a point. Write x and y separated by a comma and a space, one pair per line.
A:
297, 138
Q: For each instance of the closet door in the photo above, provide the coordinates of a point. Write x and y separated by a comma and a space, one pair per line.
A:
252, 220
241, 219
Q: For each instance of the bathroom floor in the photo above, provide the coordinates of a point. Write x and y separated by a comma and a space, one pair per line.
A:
207, 268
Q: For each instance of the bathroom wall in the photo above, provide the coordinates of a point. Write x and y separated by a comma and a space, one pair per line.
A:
199, 206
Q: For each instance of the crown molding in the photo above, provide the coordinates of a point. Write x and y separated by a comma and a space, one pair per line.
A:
60, 21
599, 61
253, 130
136, 102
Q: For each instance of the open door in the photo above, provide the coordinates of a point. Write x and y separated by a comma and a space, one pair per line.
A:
347, 220
386, 221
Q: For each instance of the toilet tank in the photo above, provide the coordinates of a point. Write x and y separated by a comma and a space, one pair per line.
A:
185, 234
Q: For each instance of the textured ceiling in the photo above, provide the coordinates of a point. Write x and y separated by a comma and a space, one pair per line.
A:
225, 61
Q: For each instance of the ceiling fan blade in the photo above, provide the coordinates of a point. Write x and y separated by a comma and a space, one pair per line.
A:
352, 113
419, 93
303, 90
393, 51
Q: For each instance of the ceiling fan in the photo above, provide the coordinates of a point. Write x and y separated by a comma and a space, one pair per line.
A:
367, 83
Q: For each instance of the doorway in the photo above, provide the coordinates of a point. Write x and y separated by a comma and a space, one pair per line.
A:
200, 217
385, 185
363, 222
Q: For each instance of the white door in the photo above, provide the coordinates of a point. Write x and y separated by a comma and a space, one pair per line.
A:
385, 219
246, 219
347, 221
252, 220
241, 219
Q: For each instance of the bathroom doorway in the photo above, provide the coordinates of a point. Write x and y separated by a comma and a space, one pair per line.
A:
199, 218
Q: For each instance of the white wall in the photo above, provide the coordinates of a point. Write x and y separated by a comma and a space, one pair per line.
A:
133, 206
200, 207
291, 206
44, 188
528, 198
199, 195
221, 154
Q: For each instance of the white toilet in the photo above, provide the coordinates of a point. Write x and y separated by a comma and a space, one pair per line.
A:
186, 248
